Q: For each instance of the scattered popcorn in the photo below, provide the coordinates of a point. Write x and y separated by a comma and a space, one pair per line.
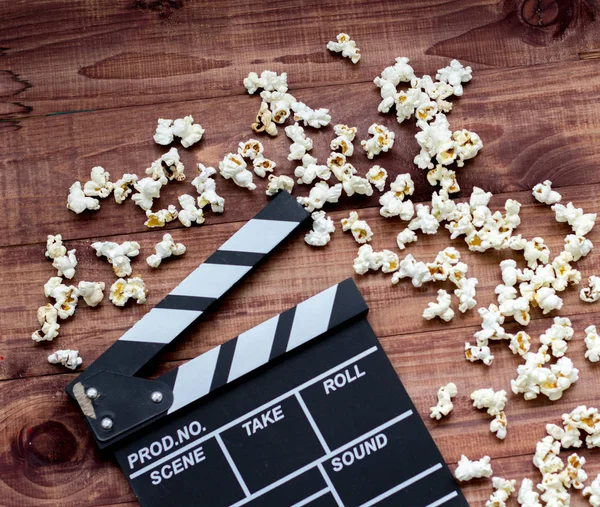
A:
65, 264
478, 353
164, 132
359, 228
262, 166
543, 193
310, 170
440, 309
122, 291
123, 187
389, 261
527, 496
493, 401
322, 229
391, 76
382, 140
557, 336
498, 426
424, 220
320, 194
184, 128
367, 260
417, 271
503, 489
251, 149
91, 292
68, 358
491, 325
554, 490
161, 217
520, 343
315, 118
518, 308
277, 183
190, 213
536, 251
118, 255
268, 81
547, 300
66, 297
466, 292
99, 184
47, 317
202, 182
377, 176
546, 457
469, 144
343, 141
467, 469
356, 185
455, 74
148, 189
346, 46
404, 237
300, 143
167, 168
164, 249
592, 344
78, 202
206, 187
280, 104
574, 469
54, 247
264, 121
444, 405
593, 491
580, 223
445, 177
591, 294
578, 246
392, 202
435, 140
233, 167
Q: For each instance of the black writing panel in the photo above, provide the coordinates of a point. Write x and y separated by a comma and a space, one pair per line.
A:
292, 492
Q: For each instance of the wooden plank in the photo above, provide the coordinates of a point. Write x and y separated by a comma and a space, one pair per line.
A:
539, 139
305, 269
84, 55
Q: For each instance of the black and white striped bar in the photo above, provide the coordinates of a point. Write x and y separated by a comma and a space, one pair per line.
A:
206, 285
259, 345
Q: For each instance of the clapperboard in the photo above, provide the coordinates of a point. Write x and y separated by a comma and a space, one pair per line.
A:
303, 409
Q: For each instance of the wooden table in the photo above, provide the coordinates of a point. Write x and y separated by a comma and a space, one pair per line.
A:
84, 84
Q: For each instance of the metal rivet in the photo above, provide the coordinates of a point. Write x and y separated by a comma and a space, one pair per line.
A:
92, 393
106, 423
156, 396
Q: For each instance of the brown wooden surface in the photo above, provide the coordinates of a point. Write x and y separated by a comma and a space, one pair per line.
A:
82, 85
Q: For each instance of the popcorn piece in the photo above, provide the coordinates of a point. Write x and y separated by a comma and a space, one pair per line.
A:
47, 317
440, 309
557, 336
190, 213
346, 46
593, 491
392, 201
424, 220
264, 121
592, 344
580, 223
359, 228
310, 170
251, 149
320, 194
161, 217
277, 183
268, 81
455, 74
78, 202
546, 457
543, 193
578, 246
391, 76
554, 490
367, 259
481, 353
343, 141
91, 292
536, 251
404, 237
122, 291
321, 231
164, 132
118, 255
575, 472
163, 249
356, 185
65, 264
469, 145
530, 373
185, 128
547, 300
123, 187
591, 294
377, 176
262, 166
491, 325
417, 271
167, 168
466, 293
527, 496
435, 140
99, 184
300, 143
382, 140
388, 260
280, 104
66, 297
520, 343
445, 177
315, 118
444, 405
503, 489
468, 470
68, 358
498, 426
206, 187
517, 308
565, 274
233, 167
493, 401
202, 181
148, 189
54, 247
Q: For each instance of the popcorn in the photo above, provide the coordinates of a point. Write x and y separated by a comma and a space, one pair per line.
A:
268, 81
404, 237
444, 405
592, 344
65, 296
346, 46
520, 343
54, 247
161, 217
493, 401
356, 185
503, 489
264, 121
392, 201
517, 308
202, 181
277, 183
300, 143
163, 249
442, 207
554, 490
578, 246
527, 496
148, 189
491, 325
359, 228
440, 309
388, 260
262, 166
122, 291
417, 271
382, 140
47, 317
424, 220
547, 300
322, 229
280, 104
498, 426
233, 167
315, 118
320, 194
190, 213
91, 292
593, 491
164, 132
206, 187
568, 437
437, 91
65, 264
536, 251
575, 472
466, 293
546, 457
481, 353
68, 358
591, 294
435, 140
310, 170
445, 177
565, 275
367, 260
343, 141
469, 145
184, 128
123, 187
557, 336
251, 149
377, 176
580, 223
78, 202
543, 193
167, 168
99, 184
455, 74
118, 255
505, 293
391, 76
467, 469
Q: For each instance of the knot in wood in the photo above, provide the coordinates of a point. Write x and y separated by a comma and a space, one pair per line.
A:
540, 13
